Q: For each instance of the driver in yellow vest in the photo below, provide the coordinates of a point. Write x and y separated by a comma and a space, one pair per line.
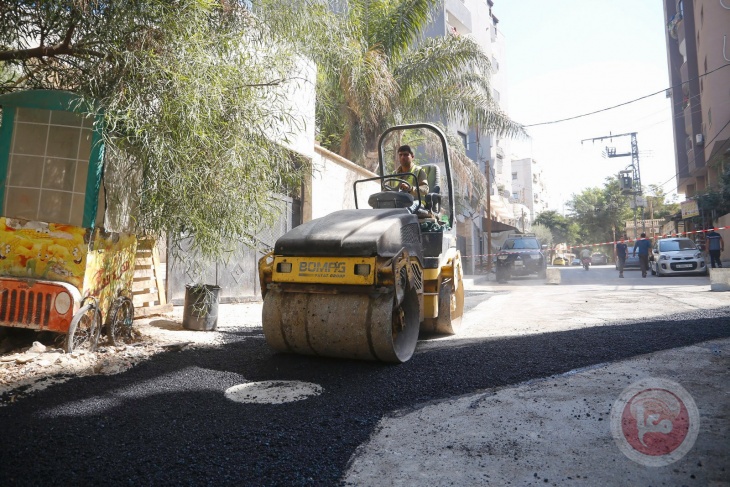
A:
405, 158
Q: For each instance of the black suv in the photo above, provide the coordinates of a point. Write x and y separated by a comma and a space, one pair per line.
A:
521, 255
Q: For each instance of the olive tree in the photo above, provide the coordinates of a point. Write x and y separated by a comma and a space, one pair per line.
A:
194, 95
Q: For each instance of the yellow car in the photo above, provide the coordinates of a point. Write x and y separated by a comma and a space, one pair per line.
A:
560, 260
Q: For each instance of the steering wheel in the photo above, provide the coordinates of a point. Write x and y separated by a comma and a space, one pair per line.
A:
399, 181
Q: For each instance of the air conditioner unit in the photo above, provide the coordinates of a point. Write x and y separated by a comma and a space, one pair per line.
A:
699, 139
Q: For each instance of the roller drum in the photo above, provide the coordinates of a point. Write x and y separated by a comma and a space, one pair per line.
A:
356, 326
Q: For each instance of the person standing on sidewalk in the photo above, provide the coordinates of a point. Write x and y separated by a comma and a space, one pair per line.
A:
622, 251
644, 245
716, 246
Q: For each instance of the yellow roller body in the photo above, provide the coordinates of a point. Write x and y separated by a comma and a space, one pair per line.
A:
444, 296
321, 306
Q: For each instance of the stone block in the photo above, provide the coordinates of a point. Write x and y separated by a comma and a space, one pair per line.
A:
720, 279
553, 275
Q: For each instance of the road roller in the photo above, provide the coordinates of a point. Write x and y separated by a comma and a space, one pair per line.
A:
363, 283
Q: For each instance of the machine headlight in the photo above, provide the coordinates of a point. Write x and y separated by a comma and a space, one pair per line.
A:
534, 256
502, 257
664, 257
362, 269
283, 267
698, 255
62, 303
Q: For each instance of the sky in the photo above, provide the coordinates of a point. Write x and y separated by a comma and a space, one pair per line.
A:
569, 57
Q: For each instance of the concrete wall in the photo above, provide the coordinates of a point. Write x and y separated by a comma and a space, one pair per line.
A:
330, 187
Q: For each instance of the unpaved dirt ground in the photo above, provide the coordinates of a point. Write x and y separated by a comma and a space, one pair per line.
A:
31, 361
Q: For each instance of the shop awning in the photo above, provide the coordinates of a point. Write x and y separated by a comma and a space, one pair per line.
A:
498, 226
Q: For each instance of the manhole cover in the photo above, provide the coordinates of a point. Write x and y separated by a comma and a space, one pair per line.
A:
272, 392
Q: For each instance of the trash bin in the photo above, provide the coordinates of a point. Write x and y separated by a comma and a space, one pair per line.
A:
201, 307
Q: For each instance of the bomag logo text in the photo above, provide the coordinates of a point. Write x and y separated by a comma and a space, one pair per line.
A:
322, 267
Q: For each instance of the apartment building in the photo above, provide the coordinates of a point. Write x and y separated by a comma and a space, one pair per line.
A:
698, 53
491, 154
528, 186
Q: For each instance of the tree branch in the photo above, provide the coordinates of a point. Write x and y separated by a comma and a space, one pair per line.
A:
41, 52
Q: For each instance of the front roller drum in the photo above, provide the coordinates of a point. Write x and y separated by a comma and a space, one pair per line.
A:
355, 326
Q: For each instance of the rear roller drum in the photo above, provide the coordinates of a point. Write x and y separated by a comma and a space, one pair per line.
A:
451, 310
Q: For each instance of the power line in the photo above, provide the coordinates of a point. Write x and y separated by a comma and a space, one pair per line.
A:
625, 103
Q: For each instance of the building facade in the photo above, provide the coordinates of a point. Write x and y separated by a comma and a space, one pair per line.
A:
528, 186
698, 53
491, 154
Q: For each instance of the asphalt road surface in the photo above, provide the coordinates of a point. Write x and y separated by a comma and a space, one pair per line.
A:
168, 421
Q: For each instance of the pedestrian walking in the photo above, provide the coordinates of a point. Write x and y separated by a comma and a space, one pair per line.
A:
715, 246
643, 244
622, 251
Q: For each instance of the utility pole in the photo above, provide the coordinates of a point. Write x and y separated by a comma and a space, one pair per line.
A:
634, 187
489, 204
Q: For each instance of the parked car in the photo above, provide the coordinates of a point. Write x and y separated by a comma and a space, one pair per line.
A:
560, 260
521, 255
674, 256
599, 258
576, 261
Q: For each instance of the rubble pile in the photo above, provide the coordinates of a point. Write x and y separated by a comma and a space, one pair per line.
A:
31, 362
31, 368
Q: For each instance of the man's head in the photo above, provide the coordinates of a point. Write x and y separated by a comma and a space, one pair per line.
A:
643, 235
405, 156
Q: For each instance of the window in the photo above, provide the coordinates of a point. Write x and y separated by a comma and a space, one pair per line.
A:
47, 166
464, 139
676, 245
514, 176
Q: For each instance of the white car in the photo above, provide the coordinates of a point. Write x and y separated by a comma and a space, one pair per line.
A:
674, 256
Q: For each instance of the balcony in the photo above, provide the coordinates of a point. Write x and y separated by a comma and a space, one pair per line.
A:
458, 16
687, 115
691, 165
673, 25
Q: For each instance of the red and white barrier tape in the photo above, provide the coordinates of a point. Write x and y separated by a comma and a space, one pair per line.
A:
627, 240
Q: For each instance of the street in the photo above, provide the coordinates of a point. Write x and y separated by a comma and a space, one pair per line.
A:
522, 395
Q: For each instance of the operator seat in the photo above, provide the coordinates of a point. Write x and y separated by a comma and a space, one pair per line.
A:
432, 201
390, 199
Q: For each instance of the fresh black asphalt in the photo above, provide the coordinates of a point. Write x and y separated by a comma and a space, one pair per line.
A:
167, 422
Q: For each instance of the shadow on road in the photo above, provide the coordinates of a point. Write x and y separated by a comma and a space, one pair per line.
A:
167, 421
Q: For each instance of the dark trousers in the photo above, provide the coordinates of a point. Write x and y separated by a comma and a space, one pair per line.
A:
715, 257
621, 264
644, 263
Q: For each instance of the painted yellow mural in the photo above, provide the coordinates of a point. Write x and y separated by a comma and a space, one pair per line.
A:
98, 264
110, 266
37, 250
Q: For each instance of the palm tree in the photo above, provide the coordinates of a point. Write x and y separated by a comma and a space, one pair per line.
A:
380, 70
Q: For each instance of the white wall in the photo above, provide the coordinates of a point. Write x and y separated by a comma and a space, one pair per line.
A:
331, 185
297, 133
